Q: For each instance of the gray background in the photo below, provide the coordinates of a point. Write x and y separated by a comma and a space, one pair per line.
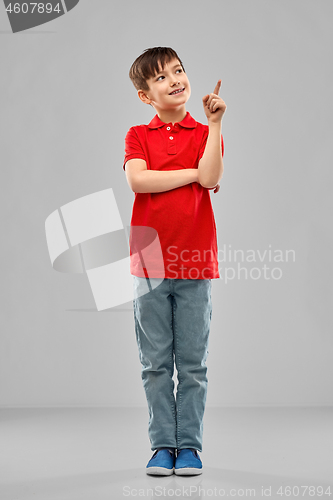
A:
66, 105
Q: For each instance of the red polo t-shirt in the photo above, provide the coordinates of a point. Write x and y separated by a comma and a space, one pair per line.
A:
173, 233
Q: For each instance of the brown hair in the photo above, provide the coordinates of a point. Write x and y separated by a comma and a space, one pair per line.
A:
149, 63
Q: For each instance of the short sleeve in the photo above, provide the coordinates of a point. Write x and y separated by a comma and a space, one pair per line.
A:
204, 142
133, 147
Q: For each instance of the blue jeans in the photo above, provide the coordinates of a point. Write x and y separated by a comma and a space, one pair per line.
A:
172, 323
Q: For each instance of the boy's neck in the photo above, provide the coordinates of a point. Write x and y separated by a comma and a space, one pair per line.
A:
172, 116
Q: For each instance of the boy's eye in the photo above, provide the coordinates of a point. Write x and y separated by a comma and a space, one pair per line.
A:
159, 78
179, 70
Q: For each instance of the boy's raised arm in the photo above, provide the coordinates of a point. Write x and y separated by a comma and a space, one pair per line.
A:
210, 166
142, 180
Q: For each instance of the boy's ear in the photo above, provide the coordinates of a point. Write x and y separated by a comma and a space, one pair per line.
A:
143, 97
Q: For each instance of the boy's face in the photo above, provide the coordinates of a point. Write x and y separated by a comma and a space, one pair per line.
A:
169, 89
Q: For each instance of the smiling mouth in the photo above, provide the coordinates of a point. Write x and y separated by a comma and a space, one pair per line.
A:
178, 91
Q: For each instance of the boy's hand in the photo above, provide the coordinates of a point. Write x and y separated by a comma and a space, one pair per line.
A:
214, 106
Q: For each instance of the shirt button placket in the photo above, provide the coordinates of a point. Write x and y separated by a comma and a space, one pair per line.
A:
172, 143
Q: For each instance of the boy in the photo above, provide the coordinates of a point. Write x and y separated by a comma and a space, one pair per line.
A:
170, 165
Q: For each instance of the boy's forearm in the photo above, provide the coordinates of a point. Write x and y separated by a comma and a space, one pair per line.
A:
210, 167
157, 181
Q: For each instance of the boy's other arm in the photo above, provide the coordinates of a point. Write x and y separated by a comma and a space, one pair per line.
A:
142, 180
211, 164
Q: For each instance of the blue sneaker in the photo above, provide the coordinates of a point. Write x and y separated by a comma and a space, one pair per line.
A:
162, 462
188, 463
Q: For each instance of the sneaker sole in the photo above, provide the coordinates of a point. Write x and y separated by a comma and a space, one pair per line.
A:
188, 471
159, 471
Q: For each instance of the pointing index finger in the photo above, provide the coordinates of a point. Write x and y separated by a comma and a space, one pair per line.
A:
217, 87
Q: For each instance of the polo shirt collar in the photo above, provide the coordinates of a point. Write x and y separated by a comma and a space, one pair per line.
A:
187, 122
